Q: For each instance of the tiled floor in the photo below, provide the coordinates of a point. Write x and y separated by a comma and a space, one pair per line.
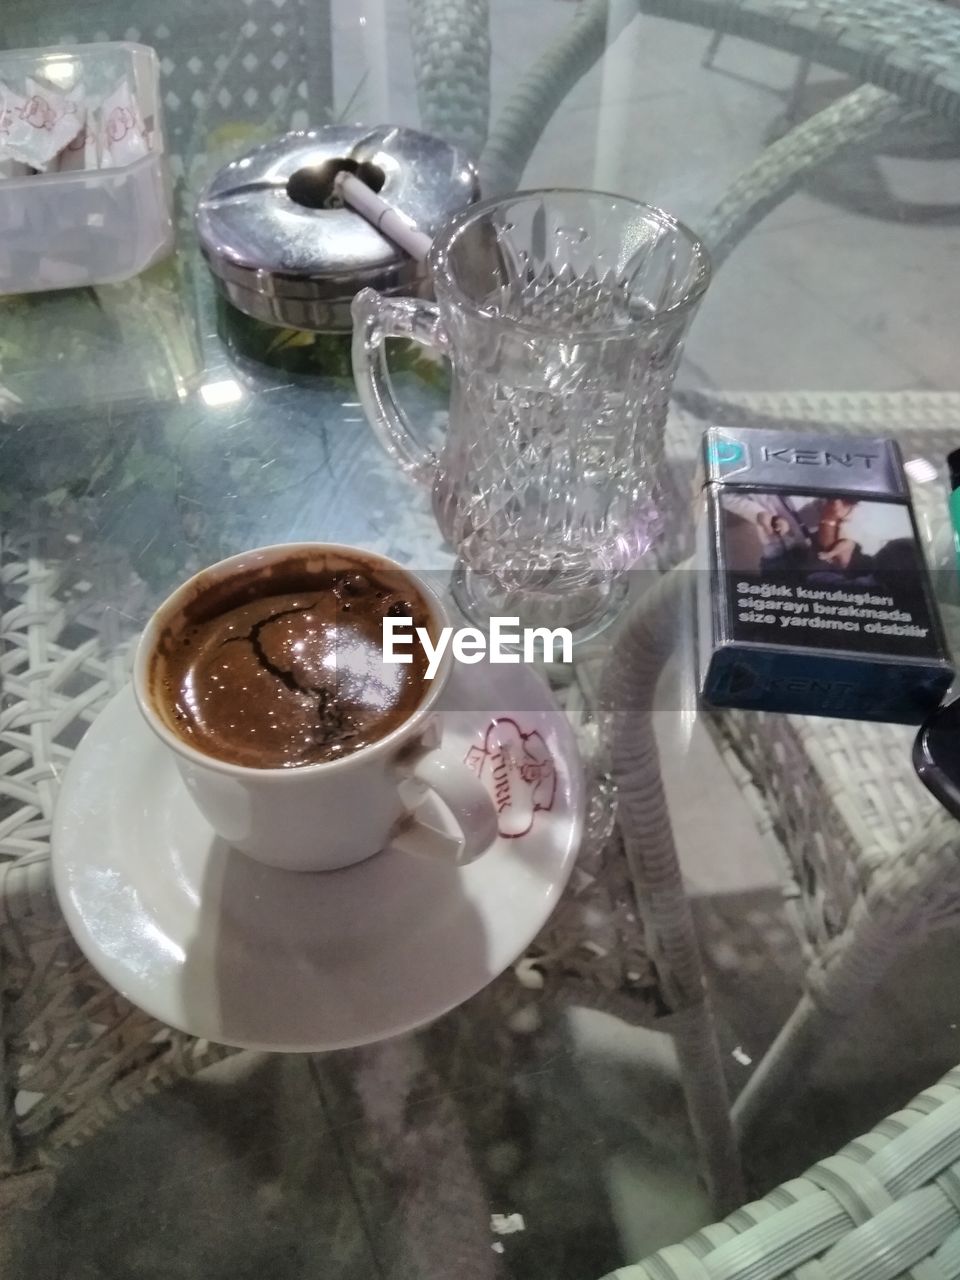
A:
329, 1167
392, 1160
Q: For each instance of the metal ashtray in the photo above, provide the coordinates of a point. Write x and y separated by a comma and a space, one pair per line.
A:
283, 250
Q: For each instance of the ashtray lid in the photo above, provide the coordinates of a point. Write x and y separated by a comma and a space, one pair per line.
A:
265, 222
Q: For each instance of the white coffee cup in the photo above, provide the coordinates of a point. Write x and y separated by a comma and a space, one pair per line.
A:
320, 817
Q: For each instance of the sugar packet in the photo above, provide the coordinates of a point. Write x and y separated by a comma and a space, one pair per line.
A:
83, 151
10, 104
122, 134
39, 125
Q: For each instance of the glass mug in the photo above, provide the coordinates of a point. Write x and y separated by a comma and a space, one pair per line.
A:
563, 315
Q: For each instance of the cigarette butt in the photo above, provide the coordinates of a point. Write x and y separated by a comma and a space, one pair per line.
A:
394, 224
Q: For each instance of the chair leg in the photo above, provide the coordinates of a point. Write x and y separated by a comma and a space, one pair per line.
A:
711, 52
797, 90
450, 40
837, 989
898, 909
796, 1048
639, 656
708, 1106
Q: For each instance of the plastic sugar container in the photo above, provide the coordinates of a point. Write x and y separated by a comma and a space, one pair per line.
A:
96, 226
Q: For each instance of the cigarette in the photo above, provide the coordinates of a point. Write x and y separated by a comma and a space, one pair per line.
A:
395, 225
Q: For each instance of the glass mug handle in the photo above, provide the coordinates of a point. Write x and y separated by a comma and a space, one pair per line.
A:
376, 318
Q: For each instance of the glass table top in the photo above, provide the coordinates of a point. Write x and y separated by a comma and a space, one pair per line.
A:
147, 429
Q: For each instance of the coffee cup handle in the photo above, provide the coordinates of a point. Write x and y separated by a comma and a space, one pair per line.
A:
464, 795
376, 318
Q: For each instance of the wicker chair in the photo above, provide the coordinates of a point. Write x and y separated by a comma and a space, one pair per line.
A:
886, 1205
911, 51
73, 1053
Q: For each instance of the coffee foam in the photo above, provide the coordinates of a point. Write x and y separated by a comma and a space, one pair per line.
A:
280, 664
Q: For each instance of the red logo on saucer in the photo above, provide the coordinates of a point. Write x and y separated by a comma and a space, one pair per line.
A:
519, 771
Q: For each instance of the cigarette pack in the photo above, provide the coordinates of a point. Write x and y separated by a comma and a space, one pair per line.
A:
813, 593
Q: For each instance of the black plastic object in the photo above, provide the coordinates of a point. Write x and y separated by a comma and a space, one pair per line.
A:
936, 755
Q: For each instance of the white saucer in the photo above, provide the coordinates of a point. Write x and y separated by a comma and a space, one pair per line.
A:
207, 940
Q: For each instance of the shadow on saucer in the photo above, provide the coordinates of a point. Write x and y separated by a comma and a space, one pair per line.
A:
305, 961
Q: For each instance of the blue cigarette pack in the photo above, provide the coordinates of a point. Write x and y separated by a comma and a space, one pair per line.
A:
813, 593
